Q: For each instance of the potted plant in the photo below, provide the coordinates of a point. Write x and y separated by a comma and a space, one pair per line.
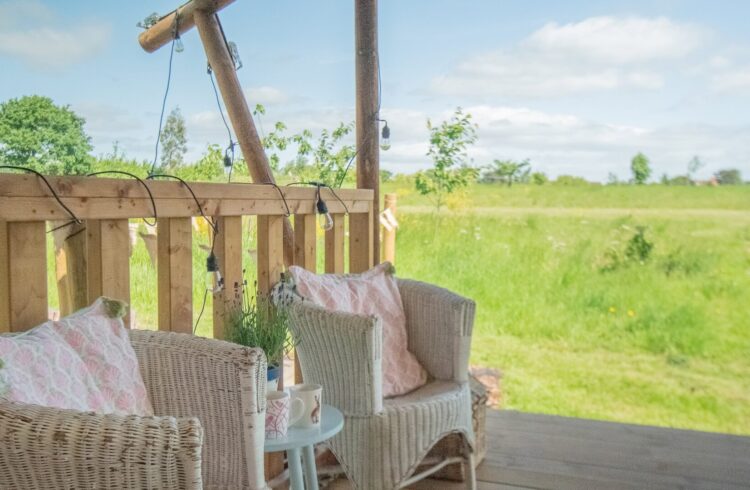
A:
258, 323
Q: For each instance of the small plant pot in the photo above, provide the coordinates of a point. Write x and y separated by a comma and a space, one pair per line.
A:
273, 378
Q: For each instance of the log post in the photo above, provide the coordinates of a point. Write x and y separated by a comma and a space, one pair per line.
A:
368, 142
238, 111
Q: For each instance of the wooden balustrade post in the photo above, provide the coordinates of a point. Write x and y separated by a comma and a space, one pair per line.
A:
228, 250
389, 230
23, 272
334, 242
175, 274
108, 260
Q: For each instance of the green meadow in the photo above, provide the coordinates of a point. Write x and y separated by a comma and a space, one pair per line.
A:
578, 329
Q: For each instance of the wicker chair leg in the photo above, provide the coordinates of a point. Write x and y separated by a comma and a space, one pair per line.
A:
471, 473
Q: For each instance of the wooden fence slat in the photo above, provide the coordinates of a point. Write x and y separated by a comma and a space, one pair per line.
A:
305, 241
27, 274
360, 242
270, 252
228, 250
175, 274
306, 256
334, 241
4, 279
108, 260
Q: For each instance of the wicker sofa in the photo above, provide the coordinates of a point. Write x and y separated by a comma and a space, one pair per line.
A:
208, 397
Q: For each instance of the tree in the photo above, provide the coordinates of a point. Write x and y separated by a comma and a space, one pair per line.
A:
36, 133
641, 168
728, 176
539, 178
173, 140
693, 166
509, 171
450, 172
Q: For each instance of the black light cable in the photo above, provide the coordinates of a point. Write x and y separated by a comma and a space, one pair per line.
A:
73, 217
133, 176
175, 37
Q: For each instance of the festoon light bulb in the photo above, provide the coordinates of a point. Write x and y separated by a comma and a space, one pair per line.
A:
324, 217
385, 140
178, 46
214, 281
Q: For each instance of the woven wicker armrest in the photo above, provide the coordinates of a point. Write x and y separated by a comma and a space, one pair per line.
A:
439, 324
42, 448
342, 352
220, 383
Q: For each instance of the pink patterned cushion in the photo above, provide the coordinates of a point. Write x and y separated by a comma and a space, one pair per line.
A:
374, 292
40, 368
103, 344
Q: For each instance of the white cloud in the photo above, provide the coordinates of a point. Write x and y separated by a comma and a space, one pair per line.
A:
32, 33
265, 95
566, 144
596, 54
615, 40
732, 81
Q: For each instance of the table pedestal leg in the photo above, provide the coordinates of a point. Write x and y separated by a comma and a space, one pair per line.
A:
295, 469
311, 472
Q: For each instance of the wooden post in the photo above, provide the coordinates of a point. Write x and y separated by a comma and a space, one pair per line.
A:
360, 242
367, 103
389, 233
305, 255
238, 111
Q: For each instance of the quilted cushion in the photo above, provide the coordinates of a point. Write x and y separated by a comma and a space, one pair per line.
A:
101, 340
374, 292
40, 368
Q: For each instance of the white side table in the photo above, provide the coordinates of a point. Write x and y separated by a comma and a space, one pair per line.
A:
303, 441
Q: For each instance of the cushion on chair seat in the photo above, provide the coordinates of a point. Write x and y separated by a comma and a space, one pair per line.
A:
374, 292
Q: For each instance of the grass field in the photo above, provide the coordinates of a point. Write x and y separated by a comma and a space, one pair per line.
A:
663, 342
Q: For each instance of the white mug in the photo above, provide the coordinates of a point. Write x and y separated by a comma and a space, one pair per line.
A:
277, 413
312, 397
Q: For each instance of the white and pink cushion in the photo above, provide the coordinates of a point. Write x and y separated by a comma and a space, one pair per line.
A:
101, 340
374, 292
40, 368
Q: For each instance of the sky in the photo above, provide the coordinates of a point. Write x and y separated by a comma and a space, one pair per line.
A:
576, 87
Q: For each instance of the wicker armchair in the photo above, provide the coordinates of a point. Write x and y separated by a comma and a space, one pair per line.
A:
385, 440
208, 397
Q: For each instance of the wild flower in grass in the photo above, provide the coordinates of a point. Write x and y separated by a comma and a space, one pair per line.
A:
612, 309
631, 313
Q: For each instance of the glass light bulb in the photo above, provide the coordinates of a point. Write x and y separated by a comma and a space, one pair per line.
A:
326, 221
178, 46
214, 281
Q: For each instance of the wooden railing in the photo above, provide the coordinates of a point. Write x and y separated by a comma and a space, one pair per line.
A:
106, 205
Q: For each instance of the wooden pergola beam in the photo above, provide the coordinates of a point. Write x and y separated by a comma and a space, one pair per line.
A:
162, 32
367, 107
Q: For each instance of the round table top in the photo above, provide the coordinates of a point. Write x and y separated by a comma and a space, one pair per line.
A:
331, 422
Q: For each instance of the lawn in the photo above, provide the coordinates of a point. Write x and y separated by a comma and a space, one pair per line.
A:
575, 327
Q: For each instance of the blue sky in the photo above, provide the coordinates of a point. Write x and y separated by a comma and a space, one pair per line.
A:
577, 87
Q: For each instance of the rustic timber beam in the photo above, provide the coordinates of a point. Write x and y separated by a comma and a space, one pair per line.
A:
367, 107
162, 32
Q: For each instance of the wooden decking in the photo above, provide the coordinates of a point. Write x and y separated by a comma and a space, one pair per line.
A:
545, 452
528, 451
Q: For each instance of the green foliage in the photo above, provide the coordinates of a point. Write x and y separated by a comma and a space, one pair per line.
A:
210, 168
258, 323
508, 172
693, 166
36, 133
640, 166
386, 175
570, 180
638, 248
173, 141
677, 180
449, 142
728, 176
539, 178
